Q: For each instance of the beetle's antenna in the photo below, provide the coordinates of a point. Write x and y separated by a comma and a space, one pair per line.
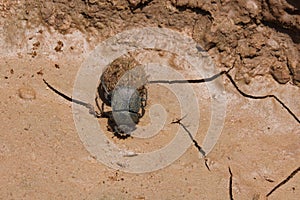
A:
87, 105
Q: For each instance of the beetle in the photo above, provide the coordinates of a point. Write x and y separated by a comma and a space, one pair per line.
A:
122, 88
127, 107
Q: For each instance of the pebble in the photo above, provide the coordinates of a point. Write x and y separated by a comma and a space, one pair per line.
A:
27, 93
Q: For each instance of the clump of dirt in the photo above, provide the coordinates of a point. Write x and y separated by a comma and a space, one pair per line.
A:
27, 93
124, 71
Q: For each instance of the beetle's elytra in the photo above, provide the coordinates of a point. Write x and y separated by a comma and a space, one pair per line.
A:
126, 104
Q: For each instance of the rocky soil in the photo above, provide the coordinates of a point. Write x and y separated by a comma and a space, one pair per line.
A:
41, 154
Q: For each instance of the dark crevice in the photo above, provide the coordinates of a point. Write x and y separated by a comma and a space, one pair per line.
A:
284, 181
190, 81
199, 148
201, 151
65, 96
293, 32
263, 97
141, 5
87, 105
247, 24
236, 87
294, 3
293, 11
210, 45
230, 184
269, 7
251, 56
198, 11
282, 27
86, 16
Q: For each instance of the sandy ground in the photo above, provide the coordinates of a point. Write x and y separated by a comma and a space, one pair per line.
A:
42, 155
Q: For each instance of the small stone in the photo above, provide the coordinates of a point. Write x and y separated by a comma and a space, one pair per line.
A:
41, 73
134, 2
92, 159
33, 54
93, 1
296, 76
59, 46
36, 45
273, 44
33, 156
280, 73
27, 93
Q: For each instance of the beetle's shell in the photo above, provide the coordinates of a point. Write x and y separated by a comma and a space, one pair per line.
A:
126, 99
126, 103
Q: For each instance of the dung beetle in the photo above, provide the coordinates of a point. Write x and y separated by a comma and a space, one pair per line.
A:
122, 87
127, 107
126, 103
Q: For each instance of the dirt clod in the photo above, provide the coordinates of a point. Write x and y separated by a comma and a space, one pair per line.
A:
280, 73
59, 46
296, 76
123, 71
36, 45
27, 93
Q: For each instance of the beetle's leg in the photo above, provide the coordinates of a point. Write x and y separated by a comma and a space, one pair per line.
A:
97, 104
101, 110
144, 97
119, 134
143, 112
